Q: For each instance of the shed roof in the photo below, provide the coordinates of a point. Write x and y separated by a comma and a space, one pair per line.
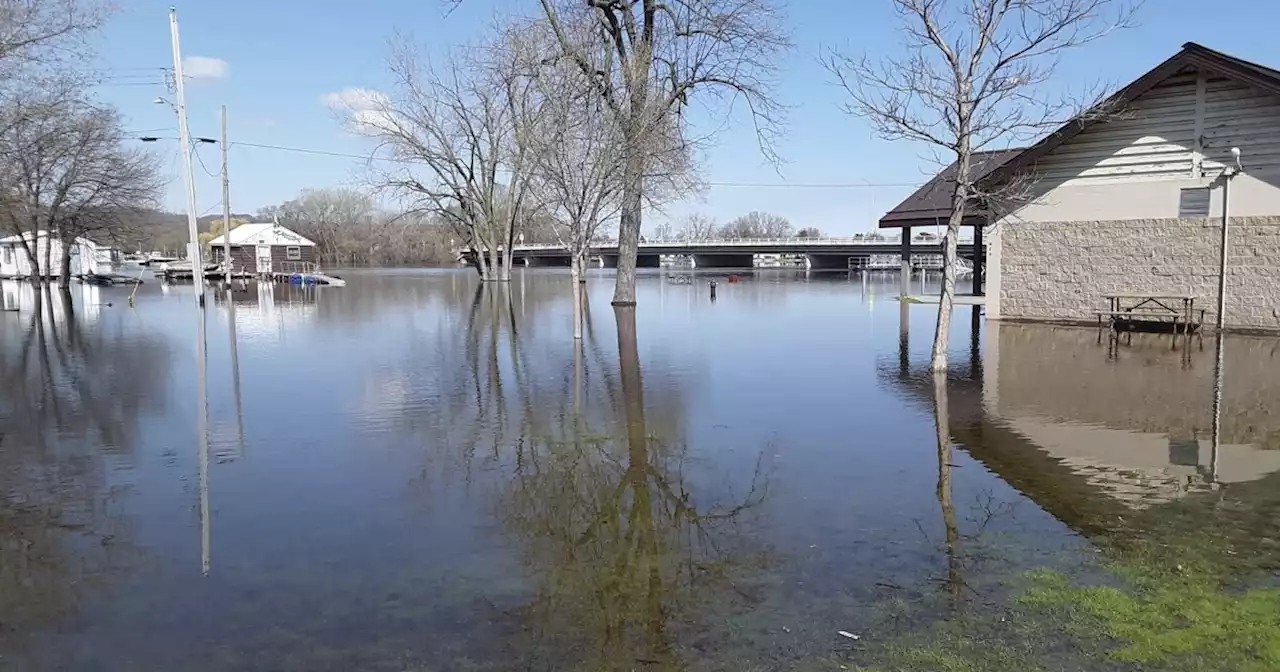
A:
1192, 55
263, 233
931, 203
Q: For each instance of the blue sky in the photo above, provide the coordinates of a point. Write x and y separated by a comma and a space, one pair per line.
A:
283, 56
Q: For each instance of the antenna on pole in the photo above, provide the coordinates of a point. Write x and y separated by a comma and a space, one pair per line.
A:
184, 138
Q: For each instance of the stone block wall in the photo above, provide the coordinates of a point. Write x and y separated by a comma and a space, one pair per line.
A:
1061, 270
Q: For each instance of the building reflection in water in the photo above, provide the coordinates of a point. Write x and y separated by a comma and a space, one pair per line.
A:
1140, 445
1141, 428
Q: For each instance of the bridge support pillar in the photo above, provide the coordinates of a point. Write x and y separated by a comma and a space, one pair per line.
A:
904, 284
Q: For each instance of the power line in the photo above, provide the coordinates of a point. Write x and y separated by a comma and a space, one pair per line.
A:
795, 185
735, 185
195, 149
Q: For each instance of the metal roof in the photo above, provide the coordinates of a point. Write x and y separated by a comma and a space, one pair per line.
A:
263, 233
1192, 55
931, 203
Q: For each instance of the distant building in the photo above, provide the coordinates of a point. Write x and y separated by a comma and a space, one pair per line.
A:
14, 262
266, 247
1131, 203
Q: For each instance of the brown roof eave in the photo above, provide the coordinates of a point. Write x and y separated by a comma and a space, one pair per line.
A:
939, 219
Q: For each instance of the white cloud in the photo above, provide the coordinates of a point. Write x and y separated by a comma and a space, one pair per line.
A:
204, 67
364, 110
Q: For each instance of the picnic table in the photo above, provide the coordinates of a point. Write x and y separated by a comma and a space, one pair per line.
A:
1179, 309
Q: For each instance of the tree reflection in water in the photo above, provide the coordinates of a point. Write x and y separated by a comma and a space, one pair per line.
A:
619, 549
69, 417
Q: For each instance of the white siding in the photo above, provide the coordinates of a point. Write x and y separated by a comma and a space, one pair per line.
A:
1151, 139
16, 263
1133, 167
1237, 115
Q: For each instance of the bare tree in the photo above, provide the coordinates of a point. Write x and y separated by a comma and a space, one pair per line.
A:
757, 224
809, 232
651, 59
973, 76
576, 164
334, 218
100, 185
697, 227
453, 136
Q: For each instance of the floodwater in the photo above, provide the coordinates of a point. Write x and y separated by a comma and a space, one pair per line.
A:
415, 472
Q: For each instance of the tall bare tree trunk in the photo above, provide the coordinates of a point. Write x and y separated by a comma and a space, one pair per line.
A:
33, 260
64, 274
482, 264
624, 289
946, 303
506, 264
495, 264
575, 273
48, 252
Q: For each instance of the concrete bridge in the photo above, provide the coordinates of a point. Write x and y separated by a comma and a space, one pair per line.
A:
810, 253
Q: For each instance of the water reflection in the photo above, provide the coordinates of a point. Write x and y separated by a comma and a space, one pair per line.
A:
419, 472
75, 396
619, 545
1129, 443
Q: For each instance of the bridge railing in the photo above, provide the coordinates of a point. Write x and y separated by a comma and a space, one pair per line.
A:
745, 242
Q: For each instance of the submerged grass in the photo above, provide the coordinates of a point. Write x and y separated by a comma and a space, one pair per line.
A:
1174, 599
1190, 624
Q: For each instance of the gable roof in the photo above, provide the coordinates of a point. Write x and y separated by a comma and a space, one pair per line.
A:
931, 203
1192, 55
263, 233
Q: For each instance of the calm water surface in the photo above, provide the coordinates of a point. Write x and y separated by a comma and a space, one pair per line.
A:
415, 472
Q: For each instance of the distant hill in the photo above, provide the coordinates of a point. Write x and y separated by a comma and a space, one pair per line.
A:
163, 231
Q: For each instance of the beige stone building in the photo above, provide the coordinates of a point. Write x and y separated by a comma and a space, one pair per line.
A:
1133, 204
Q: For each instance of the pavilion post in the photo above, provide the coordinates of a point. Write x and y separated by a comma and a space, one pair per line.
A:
905, 284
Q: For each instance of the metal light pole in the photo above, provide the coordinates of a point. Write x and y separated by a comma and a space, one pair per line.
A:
1227, 173
184, 137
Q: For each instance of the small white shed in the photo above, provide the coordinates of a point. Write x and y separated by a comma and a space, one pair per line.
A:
14, 262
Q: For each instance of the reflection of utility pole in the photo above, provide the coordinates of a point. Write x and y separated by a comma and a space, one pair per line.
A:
202, 440
235, 365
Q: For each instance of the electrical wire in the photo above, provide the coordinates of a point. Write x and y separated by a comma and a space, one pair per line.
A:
735, 185
752, 185
195, 149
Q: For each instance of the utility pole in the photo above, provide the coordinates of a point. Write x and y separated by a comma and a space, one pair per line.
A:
184, 138
226, 206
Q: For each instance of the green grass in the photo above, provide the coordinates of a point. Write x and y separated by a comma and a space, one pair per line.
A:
1185, 624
